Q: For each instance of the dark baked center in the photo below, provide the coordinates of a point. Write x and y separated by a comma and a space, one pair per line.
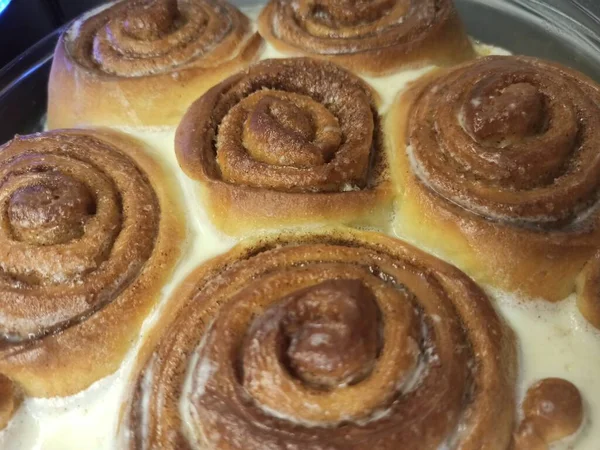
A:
333, 332
53, 213
151, 21
516, 111
347, 13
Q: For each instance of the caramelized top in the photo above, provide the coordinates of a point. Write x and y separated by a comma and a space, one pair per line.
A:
339, 340
137, 38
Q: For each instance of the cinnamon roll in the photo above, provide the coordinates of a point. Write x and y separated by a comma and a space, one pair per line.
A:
90, 229
373, 37
287, 142
142, 62
497, 168
340, 340
588, 290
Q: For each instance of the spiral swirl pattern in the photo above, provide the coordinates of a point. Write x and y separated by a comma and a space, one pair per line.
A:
337, 340
291, 125
148, 37
370, 36
288, 136
496, 167
511, 139
79, 221
90, 230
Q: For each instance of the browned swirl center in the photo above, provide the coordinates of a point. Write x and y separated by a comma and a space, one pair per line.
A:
285, 129
78, 221
513, 139
513, 112
145, 37
322, 343
288, 116
331, 332
372, 36
289, 125
51, 213
346, 13
329, 343
151, 21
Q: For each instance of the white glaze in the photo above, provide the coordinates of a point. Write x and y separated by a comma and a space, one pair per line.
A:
555, 341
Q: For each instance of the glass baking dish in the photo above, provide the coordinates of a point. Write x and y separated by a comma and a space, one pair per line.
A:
566, 31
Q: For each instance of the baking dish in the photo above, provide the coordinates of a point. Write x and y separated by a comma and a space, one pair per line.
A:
566, 31
546, 30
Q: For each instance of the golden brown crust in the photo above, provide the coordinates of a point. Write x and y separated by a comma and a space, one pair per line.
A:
287, 142
588, 291
10, 399
376, 37
75, 302
106, 73
506, 186
429, 347
552, 410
